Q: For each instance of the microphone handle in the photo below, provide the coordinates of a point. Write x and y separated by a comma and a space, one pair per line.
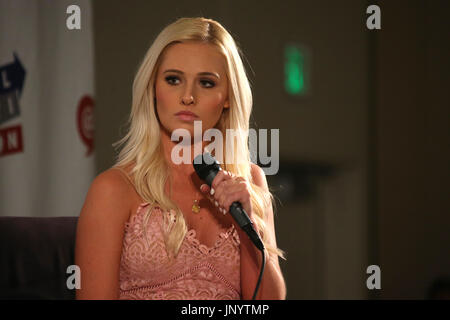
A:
243, 220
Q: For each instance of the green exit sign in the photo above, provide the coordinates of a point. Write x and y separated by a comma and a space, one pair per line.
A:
296, 70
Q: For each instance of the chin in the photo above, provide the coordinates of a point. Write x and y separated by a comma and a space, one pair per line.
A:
185, 126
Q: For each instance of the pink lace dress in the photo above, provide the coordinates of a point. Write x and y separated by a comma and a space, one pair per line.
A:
198, 272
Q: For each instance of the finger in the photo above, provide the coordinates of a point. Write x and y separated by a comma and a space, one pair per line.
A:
225, 178
221, 176
232, 191
237, 193
204, 188
222, 190
226, 187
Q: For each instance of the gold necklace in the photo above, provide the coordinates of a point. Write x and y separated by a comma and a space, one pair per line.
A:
196, 207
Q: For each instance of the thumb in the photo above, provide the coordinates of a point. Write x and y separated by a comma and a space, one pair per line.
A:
204, 188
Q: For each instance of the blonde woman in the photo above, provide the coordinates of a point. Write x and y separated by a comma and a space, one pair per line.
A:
149, 228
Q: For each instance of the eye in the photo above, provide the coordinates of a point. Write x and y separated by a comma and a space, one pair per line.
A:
172, 80
207, 83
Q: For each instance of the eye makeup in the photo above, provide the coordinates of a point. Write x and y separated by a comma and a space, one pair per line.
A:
206, 83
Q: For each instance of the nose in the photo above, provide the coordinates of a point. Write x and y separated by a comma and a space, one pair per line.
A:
187, 100
188, 97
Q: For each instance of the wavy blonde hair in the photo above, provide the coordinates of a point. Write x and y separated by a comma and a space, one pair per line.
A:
142, 143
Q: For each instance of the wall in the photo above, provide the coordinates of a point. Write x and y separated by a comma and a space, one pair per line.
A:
412, 146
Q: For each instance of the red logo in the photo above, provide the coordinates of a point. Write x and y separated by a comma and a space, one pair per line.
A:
85, 122
11, 140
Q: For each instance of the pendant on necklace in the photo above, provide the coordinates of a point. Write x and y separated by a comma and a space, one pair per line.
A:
195, 207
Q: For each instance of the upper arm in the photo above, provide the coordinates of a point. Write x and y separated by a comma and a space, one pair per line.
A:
259, 179
276, 288
99, 236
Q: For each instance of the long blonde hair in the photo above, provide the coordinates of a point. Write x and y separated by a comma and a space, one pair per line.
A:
142, 143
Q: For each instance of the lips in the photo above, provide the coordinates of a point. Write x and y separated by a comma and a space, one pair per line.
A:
186, 115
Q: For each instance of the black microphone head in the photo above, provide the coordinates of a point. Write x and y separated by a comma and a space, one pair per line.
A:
206, 167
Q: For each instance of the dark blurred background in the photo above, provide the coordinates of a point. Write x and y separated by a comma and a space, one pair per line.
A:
364, 155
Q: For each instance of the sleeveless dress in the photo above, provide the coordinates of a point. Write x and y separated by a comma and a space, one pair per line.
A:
197, 273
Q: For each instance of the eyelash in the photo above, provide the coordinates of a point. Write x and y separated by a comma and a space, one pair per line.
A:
169, 78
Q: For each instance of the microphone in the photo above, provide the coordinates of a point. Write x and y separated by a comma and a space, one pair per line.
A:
207, 168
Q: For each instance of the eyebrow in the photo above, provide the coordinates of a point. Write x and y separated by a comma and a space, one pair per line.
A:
200, 73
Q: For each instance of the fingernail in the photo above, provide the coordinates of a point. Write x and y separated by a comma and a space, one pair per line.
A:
212, 191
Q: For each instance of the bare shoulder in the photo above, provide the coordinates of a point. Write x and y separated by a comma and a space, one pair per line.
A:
113, 182
258, 176
111, 176
116, 178
110, 191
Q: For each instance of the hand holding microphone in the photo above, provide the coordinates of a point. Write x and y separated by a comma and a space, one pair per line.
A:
231, 193
226, 188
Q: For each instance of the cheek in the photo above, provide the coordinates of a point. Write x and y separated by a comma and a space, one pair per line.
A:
215, 103
162, 96
165, 101
212, 111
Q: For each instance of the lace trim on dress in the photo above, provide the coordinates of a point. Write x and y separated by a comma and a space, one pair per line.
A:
191, 234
